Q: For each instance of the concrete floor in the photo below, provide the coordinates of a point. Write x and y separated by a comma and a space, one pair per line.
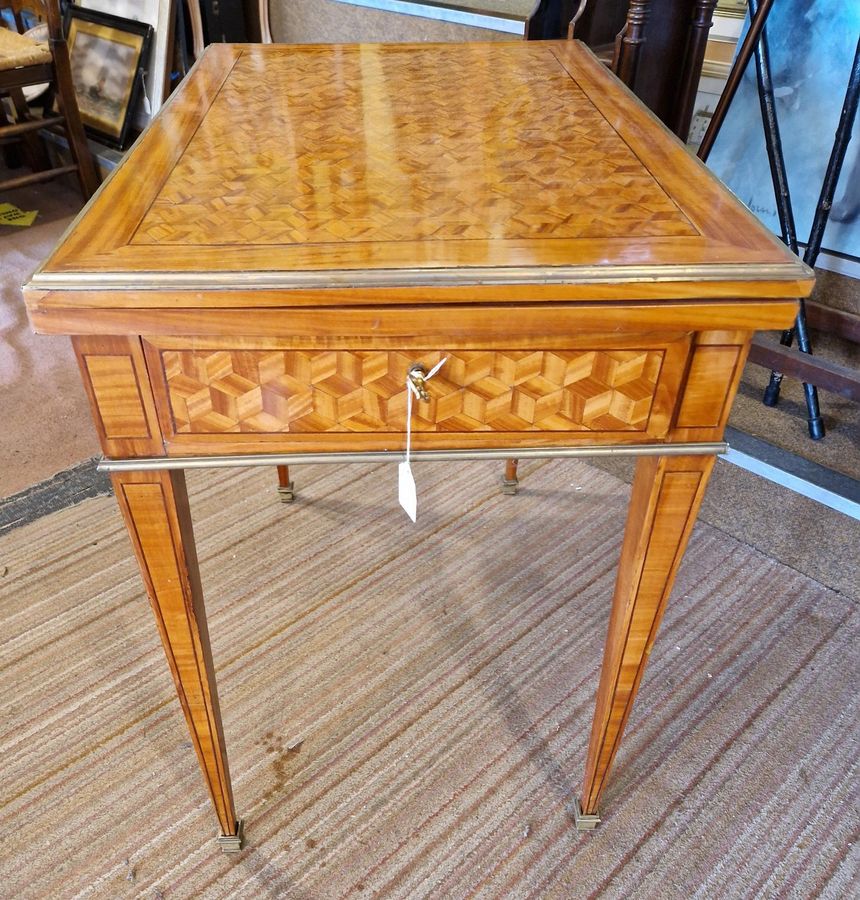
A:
46, 424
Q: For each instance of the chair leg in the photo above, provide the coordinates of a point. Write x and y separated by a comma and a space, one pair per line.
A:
34, 149
285, 486
510, 483
12, 150
78, 146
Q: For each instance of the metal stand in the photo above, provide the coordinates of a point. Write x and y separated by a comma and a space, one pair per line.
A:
813, 247
784, 208
756, 41
734, 79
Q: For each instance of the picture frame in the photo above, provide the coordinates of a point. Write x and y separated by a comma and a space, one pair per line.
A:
107, 55
157, 67
735, 8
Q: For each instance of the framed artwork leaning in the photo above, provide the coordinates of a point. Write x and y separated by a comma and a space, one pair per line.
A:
107, 55
158, 63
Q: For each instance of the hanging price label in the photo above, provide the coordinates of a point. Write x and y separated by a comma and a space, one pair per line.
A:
407, 492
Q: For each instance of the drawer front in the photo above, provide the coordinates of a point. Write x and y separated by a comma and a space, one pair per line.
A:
214, 394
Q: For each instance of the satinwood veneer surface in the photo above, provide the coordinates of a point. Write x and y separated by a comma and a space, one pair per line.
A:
410, 166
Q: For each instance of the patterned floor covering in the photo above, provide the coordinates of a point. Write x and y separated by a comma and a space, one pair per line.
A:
407, 707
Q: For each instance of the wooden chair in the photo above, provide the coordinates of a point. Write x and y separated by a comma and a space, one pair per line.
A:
26, 62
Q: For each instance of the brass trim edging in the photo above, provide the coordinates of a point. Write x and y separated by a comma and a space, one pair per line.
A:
126, 154
159, 463
381, 278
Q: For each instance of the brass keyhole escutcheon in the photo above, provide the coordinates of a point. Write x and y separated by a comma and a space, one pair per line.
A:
417, 376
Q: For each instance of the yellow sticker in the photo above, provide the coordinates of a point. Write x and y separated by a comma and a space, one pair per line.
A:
11, 215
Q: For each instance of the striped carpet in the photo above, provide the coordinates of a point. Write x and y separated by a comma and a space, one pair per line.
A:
407, 707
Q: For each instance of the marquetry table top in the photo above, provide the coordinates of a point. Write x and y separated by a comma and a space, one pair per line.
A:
323, 166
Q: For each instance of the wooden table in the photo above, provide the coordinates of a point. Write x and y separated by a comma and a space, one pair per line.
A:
301, 225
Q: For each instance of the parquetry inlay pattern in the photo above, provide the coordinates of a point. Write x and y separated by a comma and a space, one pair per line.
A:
382, 151
476, 390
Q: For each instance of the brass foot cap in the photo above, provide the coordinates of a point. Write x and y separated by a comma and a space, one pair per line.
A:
584, 821
510, 486
232, 843
287, 493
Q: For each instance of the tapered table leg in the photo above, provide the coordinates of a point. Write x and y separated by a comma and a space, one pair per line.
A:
155, 508
667, 492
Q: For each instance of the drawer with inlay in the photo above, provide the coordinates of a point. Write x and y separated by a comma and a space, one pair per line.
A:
614, 390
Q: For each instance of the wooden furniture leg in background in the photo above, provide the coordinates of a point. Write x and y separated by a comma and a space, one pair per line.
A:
630, 41
688, 77
285, 486
68, 104
33, 146
155, 508
667, 492
510, 483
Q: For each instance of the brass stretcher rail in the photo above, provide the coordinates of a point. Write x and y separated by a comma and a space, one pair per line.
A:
157, 463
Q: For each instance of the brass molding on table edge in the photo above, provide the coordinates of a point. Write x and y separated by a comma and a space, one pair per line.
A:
584, 821
154, 463
415, 277
232, 843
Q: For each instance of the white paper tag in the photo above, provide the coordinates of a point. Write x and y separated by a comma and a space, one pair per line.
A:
406, 492
436, 368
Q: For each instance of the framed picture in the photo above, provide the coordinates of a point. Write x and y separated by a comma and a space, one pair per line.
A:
732, 8
160, 14
107, 54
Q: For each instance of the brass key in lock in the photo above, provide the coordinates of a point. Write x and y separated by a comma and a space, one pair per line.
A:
417, 376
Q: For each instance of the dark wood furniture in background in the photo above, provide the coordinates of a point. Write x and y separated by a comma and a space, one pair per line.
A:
656, 47
24, 62
550, 19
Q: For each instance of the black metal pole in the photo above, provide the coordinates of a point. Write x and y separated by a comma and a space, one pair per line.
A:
776, 159
773, 140
756, 42
837, 158
822, 214
738, 68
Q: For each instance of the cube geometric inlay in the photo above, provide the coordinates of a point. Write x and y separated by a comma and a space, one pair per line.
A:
380, 153
275, 391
